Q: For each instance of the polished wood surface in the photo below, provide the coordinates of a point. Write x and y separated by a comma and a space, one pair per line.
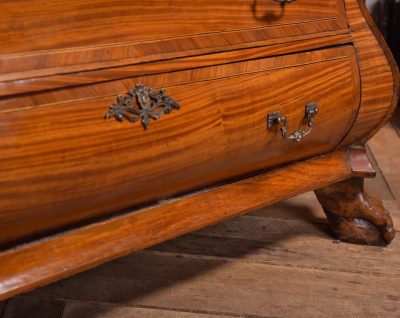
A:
38, 263
378, 71
12, 85
64, 163
360, 165
76, 23
79, 35
194, 68
270, 262
78, 190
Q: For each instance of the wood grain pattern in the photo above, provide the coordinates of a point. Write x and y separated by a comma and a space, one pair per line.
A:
41, 262
96, 34
379, 74
281, 235
195, 274
190, 68
63, 166
233, 286
63, 163
22, 67
202, 273
77, 23
11, 83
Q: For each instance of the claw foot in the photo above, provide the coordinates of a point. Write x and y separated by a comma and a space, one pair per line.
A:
354, 215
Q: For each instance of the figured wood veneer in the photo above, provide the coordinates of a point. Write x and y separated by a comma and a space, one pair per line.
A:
41, 262
40, 80
80, 35
79, 191
79, 22
379, 75
68, 164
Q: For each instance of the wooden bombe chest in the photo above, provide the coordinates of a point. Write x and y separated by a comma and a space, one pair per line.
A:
127, 123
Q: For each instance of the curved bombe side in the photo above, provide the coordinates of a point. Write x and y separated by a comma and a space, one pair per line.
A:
378, 71
354, 215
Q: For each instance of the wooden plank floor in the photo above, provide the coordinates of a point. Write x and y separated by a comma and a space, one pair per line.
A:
275, 262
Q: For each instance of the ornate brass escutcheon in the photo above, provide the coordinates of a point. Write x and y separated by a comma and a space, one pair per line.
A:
142, 103
275, 118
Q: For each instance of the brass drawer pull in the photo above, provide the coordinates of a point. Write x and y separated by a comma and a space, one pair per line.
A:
275, 118
142, 103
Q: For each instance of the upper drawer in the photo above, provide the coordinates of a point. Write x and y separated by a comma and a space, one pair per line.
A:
88, 34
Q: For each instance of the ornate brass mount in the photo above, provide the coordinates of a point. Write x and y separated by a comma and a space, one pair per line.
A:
142, 103
275, 118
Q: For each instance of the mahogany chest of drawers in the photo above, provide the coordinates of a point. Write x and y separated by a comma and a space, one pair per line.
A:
126, 123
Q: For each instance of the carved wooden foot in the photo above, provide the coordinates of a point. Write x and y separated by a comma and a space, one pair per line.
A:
355, 216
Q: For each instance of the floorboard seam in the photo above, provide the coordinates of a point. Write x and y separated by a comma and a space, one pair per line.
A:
316, 220
272, 264
380, 171
182, 310
62, 311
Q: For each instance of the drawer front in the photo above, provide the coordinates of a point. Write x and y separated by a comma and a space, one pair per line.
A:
95, 33
64, 163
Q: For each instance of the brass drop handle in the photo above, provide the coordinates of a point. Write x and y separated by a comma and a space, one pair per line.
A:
282, 2
275, 118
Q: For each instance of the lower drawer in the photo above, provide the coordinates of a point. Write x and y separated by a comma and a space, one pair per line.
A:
64, 163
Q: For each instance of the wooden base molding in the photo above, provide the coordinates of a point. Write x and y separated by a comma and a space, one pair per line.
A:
28, 266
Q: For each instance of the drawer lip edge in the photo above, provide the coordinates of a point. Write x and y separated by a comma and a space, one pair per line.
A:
344, 51
53, 56
34, 84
